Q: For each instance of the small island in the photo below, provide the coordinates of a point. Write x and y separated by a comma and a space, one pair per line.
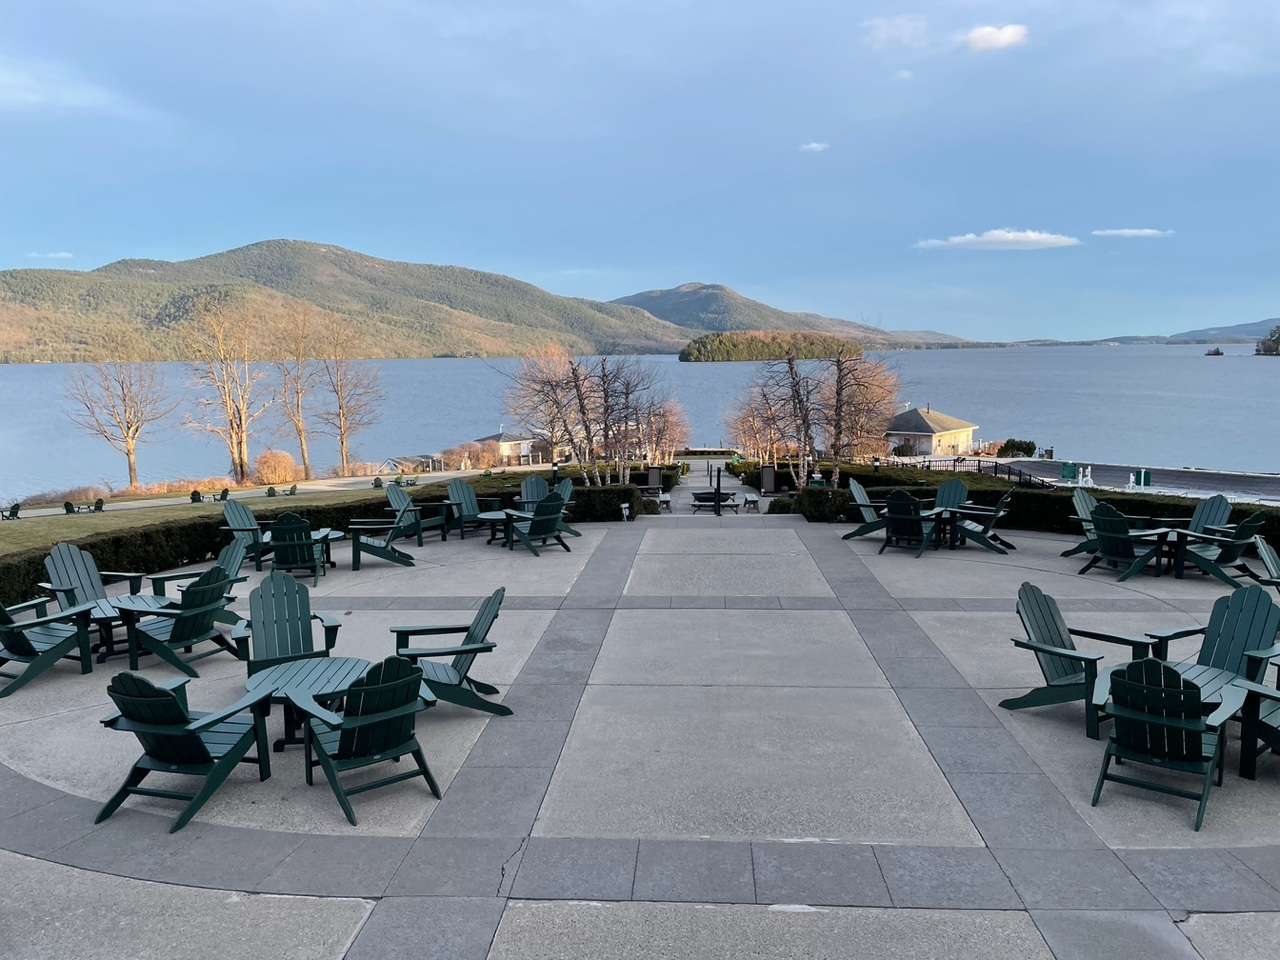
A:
1214, 352
766, 345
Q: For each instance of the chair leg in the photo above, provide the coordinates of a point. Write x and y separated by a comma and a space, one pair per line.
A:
217, 776
164, 652
1102, 777
480, 686
307, 757
331, 774
426, 771
1093, 561
135, 777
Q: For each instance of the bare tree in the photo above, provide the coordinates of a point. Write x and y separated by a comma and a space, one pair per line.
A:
541, 400
856, 402
227, 373
117, 402
354, 389
297, 373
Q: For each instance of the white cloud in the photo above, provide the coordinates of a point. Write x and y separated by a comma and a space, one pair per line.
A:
34, 85
987, 38
1003, 239
1132, 232
54, 255
904, 30
815, 146
904, 74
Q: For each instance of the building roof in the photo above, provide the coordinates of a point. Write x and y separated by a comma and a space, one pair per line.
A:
927, 421
505, 437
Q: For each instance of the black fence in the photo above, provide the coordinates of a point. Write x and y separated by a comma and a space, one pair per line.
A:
972, 465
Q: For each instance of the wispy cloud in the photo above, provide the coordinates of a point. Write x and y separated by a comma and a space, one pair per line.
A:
987, 38
904, 30
34, 85
52, 255
904, 74
1004, 238
1132, 232
815, 146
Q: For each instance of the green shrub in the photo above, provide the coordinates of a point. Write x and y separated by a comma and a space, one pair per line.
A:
1017, 448
781, 505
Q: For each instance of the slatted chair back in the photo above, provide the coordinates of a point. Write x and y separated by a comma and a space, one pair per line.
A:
291, 538
1043, 622
478, 632
68, 565
13, 637
1213, 512
1085, 503
280, 619
1246, 530
902, 517
1111, 530
387, 686
200, 603
463, 494
140, 701
239, 516
1247, 619
989, 519
546, 516
1270, 559
1157, 712
951, 494
533, 489
397, 497
565, 489
231, 558
862, 502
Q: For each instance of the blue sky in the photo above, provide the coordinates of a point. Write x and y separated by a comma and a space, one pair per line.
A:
942, 165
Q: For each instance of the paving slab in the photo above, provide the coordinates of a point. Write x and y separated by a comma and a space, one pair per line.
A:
553, 868
1074, 880
101, 917
457, 867
675, 931
837, 874
969, 750
428, 928
1241, 936
489, 802
1201, 881
517, 742
953, 878
750, 763
733, 647
1113, 935
742, 575
1022, 810
703, 871
725, 541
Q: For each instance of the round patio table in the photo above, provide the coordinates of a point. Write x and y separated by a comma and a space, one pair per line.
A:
496, 519
318, 676
105, 616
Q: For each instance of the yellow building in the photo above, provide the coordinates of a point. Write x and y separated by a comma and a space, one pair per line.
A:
930, 434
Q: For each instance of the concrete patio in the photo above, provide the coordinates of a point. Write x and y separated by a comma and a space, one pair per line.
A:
736, 736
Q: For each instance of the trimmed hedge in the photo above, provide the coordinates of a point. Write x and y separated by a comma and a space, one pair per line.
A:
153, 547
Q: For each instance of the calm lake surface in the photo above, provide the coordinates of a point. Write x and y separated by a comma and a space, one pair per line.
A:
1147, 405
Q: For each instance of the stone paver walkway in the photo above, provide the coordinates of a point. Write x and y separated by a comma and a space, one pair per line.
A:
732, 737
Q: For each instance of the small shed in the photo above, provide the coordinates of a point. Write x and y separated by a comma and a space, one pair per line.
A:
928, 433
517, 448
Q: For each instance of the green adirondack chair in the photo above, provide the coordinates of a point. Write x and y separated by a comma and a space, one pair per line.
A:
1084, 503
398, 500
230, 558
543, 524
1160, 722
977, 524
1210, 515
533, 489
376, 725
42, 641
243, 526
377, 538
564, 489
1118, 546
865, 510
74, 577
295, 549
177, 740
1270, 563
904, 527
186, 624
452, 682
13, 513
68, 508
1069, 674
467, 507
951, 494
1214, 555
279, 626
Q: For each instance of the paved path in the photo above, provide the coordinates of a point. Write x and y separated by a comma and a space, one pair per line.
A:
732, 737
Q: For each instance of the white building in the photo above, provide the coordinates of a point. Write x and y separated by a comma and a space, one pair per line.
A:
930, 434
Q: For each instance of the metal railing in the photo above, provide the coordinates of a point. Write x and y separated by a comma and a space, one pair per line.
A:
990, 468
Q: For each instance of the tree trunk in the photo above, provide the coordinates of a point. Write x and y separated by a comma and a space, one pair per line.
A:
305, 452
131, 454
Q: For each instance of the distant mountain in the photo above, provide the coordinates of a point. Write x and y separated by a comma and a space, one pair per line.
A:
400, 309
1238, 332
710, 307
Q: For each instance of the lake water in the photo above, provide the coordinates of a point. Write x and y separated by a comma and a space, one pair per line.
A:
1150, 405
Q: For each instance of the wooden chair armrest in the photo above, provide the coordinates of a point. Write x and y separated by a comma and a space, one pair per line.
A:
1198, 725
354, 723
1261, 689
431, 631
244, 703
40, 605
304, 701
1057, 651
1177, 634
412, 652
1232, 700
1111, 638
330, 626
1264, 653
80, 610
